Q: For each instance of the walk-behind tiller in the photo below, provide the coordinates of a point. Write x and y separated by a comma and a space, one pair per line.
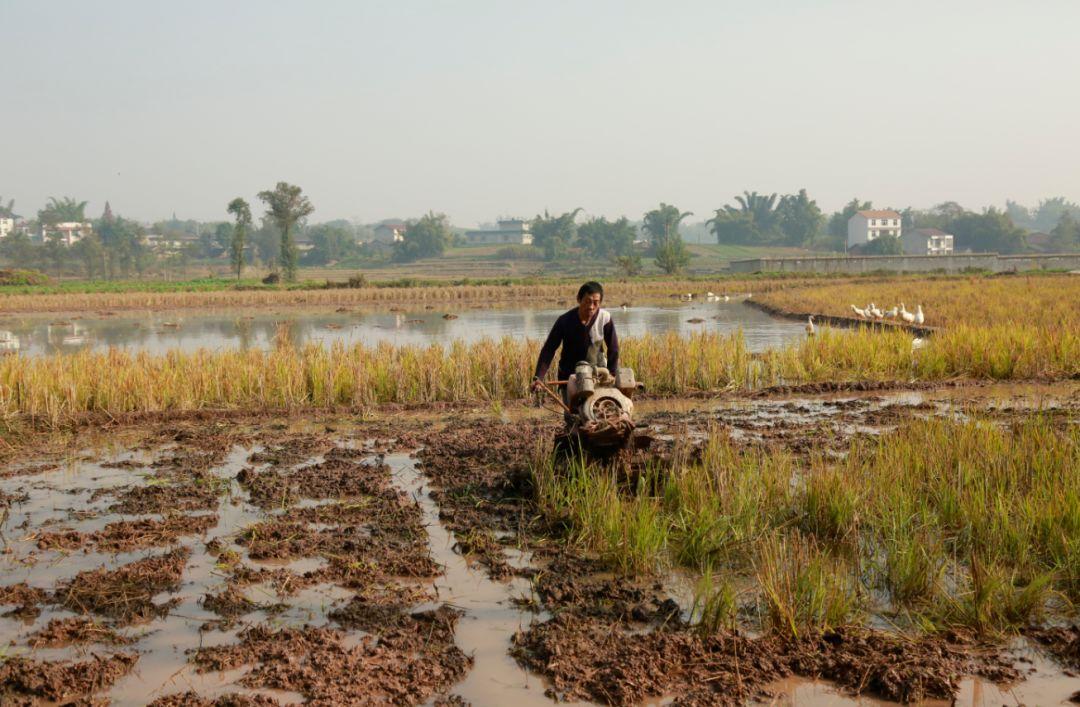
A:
597, 409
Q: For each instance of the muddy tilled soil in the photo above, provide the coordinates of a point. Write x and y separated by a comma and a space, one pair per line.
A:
400, 558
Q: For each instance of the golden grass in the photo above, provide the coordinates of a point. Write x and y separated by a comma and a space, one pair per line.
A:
56, 389
1048, 302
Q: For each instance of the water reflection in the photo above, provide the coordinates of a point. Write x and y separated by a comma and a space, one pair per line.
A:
158, 332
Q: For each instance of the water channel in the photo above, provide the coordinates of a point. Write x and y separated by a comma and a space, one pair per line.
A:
189, 330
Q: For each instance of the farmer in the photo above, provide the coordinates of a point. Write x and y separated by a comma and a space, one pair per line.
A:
584, 333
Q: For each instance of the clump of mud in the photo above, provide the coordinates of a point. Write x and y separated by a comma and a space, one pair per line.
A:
481, 482
79, 629
25, 598
128, 535
408, 664
338, 477
25, 681
166, 498
125, 593
1061, 642
588, 658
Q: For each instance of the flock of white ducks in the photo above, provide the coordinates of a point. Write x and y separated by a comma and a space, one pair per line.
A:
711, 297
871, 311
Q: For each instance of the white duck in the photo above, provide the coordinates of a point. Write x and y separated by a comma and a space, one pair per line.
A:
688, 297
810, 328
860, 312
726, 298
919, 316
875, 312
906, 315
892, 313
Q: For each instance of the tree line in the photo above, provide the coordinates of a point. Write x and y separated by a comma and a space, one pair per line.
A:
116, 247
796, 220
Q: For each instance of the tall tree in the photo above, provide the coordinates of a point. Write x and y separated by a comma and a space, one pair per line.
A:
990, 231
839, 220
424, 238
732, 226
56, 251
331, 242
7, 210
607, 239
1020, 214
1049, 212
241, 212
761, 208
17, 249
120, 241
554, 233
799, 218
1065, 237
662, 224
92, 255
286, 205
65, 210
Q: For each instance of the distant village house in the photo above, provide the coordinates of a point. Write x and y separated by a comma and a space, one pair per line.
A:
70, 232
866, 226
389, 233
514, 231
169, 244
927, 241
7, 225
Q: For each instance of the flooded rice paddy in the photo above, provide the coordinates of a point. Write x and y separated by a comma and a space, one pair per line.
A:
189, 330
400, 560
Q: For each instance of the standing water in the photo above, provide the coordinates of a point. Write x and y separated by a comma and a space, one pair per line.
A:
190, 330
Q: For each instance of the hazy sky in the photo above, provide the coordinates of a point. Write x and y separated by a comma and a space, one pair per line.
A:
479, 109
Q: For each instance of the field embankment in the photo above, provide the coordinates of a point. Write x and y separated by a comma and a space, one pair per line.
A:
1047, 302
220, 295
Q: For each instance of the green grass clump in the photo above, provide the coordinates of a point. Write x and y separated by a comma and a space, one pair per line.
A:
941, 523
803, 587
716, 603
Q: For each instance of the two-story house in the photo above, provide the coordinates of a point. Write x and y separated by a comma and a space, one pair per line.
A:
869, 225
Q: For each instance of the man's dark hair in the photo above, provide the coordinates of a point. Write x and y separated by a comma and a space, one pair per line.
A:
592, 287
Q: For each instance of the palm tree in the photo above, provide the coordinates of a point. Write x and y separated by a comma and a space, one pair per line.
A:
63, 210
760, 207
663, 223
9, 210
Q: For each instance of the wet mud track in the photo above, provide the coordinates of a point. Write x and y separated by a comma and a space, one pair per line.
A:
403, 561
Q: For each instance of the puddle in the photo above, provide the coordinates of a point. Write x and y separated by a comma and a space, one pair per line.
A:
159, 332
490, 618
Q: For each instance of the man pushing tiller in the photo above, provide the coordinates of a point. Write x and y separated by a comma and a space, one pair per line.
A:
595, 392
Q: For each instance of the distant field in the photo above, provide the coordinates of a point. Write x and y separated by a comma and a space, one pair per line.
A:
470, 263
485, 262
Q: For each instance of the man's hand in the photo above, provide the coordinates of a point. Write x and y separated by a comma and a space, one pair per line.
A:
536, 385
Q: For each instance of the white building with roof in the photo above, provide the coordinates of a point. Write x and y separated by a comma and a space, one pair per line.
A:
927, 241
71, 232
7, 225
869, 225
389, 232
509, 231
